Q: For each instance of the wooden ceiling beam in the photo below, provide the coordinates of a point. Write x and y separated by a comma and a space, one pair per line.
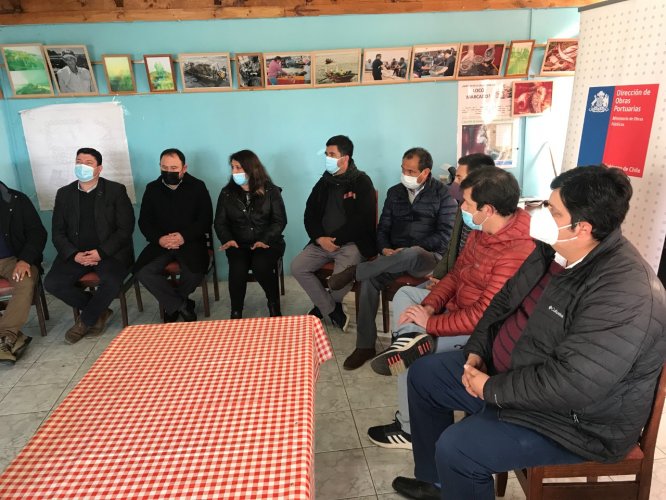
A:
77, 11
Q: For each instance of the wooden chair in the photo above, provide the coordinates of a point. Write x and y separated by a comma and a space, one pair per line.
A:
38, 300
90, 281
172, 271
638, 463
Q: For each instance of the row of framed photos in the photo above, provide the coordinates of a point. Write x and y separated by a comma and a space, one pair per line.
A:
32, 67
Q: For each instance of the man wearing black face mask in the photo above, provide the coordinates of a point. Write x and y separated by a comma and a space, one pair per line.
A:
176, 213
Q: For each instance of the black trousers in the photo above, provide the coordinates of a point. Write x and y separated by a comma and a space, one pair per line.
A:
61, 281
153, 278
262, 262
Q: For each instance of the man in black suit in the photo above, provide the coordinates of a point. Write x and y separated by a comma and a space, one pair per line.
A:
176, 213
92, 230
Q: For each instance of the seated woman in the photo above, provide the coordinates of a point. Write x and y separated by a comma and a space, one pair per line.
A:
249, 221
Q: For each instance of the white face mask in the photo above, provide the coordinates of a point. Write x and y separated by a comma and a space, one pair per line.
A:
409, 182
544, 228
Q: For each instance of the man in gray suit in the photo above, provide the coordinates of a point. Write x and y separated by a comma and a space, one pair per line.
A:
92, 230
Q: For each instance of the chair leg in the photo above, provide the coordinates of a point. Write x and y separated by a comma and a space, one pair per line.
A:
281, 280
137, 292
204, 292
216, 289
386, 316
500, 483
534, 483
123, 308
41, 316
42, 297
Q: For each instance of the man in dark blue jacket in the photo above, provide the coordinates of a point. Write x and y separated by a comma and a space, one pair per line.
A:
413, 233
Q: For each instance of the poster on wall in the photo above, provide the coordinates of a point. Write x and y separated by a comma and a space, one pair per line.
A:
54, 133
485, 124
617, 126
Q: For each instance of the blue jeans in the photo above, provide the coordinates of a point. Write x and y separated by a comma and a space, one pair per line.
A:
463, 457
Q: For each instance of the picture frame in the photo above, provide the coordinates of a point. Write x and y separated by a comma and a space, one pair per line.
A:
531, 98
27, 70
559, 58
292, 70
434, 62
71, 69
480, 61
250, 71
496, 139
388, 72
119, 73
519, 59
337, 68
205, 71
160, 73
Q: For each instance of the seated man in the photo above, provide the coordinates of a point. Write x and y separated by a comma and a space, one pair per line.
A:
493, 253
176, 213
340, 221
414, 231
92, 230
561, 368
22, 241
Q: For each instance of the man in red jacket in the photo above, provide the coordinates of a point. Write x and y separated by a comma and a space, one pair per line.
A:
444, 319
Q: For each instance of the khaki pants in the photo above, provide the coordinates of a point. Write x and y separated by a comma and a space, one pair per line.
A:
16, 313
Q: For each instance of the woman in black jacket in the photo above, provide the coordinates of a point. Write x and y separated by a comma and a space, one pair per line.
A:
249, 221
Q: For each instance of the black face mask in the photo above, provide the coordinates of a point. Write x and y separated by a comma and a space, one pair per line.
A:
170, 178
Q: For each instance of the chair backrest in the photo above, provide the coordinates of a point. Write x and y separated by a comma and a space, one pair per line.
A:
648, 439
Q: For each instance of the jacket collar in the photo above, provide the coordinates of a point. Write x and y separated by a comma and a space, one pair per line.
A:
607, 244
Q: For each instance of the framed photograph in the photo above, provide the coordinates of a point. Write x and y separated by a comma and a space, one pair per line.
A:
205, 72
434, 62
381, 66
560, 57
334, 68
250, 71
479, 61
532, 98
161, 75
71, 69
520, 56
495, 139
288, 70
119, 73
27, 70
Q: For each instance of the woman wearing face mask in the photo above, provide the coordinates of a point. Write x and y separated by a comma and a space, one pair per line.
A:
249, 221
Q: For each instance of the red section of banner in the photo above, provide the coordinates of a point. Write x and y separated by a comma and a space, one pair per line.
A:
629, 129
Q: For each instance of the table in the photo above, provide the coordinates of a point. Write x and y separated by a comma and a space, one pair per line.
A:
215, 409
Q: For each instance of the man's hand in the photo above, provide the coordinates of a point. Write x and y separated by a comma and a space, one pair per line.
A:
259, 244
327, 243
386, 252
87, 258
475, 361
229, 244
21, 270
431, 284
171, 241
473, 380
93, 257
419, 315
178, 239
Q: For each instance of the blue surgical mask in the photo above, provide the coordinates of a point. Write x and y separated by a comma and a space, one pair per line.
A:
240, 178
84, 173
331, 165
469, 220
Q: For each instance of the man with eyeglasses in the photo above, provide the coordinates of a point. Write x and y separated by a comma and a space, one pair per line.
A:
563, 365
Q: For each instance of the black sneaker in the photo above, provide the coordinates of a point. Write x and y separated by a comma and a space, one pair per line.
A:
339, 318
315, 312
390, 436
402, 353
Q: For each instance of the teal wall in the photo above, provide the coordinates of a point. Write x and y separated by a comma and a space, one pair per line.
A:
285, 128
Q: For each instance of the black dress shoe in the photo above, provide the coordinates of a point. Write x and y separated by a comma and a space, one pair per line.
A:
357, 358
274, 309
171, 318
190, 304
315, 312
413, 488
186, 313
342, 279
236, 315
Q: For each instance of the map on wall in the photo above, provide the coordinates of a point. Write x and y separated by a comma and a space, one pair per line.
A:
54, 133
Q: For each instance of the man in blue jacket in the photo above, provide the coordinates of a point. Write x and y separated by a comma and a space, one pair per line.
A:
413, 233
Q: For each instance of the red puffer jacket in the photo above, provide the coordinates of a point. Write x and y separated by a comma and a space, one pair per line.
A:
485, 264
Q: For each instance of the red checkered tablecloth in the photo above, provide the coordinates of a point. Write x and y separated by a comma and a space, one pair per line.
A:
216, 409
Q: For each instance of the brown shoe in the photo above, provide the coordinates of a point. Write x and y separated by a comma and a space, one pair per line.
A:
6, 356
340, 280
77, 332
358, 357
98, 328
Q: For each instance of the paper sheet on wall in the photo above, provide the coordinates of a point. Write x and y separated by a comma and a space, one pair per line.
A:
54, 133
485, 124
